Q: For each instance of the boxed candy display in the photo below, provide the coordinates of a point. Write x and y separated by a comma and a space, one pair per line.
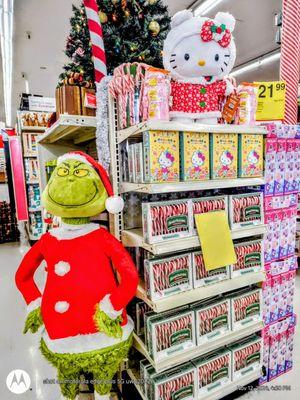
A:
245, 210
249, 258
208, 204
213, 372
246, 308
251, 156
161, 156
137, 311
194, 156
246, 356
201, 276
165, 220
156, 94
223, 155
167, 276
170, 333
212, 319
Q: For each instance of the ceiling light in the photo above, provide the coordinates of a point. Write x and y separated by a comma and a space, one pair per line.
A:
256, 63
206, 6
6, 34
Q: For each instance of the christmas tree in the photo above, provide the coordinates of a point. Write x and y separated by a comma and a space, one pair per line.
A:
133, 31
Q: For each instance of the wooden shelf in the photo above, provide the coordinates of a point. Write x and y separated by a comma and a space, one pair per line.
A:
193, 352
153, 188
134, 238
136, 130
201, 293
76, 129
33, 128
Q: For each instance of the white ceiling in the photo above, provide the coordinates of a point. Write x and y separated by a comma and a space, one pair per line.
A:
48, 22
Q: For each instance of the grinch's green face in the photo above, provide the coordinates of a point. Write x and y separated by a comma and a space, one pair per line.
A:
74, 190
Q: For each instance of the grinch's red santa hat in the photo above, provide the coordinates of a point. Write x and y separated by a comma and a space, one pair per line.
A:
114, 204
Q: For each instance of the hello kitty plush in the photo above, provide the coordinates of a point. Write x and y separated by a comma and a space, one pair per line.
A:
199, 52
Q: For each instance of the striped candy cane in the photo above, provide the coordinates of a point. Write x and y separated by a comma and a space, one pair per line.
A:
96, 35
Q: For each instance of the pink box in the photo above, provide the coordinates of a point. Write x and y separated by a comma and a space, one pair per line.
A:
281, 353
267, 296
270, 165
274, 306
280, 166
273, 358
289, 348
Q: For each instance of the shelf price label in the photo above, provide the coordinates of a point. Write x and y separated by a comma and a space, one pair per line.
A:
270, 100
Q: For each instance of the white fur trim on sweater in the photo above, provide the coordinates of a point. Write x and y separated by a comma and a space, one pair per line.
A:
106, 306
84, 343
62, 268
114, 204
68, 232
62, 306
207, 114
33, 305
73, 156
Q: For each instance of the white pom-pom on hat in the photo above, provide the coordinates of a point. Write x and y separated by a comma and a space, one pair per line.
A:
226, 19
180, 17
114, 204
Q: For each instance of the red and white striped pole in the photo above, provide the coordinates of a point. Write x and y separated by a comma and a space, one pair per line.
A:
290, 57
96, 35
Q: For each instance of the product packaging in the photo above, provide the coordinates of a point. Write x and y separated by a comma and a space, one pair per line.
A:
166, 220
194, 156
223, 155
161, 156
245, 210
251, 156
270, 165
280, 167
137, 309
249, 258
156, 94
208, 204
168, 276
246, 308
202, 277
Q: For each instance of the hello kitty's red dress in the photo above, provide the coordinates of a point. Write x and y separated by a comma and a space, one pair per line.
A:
200, 101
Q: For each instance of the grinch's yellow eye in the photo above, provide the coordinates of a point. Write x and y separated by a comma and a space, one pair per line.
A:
62, 172
80, 173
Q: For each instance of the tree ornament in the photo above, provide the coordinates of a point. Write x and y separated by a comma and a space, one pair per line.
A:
154, 27
141, 15
152, 2
127, 13
114, 17
103, 17
115, 2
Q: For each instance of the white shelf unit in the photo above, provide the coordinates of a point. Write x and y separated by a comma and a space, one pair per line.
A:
201, 293
193, 352
134, 238
76, 129
137, 130
216, 394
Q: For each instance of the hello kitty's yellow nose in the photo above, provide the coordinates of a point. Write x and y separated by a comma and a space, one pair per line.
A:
201, 63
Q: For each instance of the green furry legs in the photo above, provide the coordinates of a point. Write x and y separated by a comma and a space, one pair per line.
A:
103, 364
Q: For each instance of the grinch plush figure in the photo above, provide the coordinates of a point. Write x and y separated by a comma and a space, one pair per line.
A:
82, 308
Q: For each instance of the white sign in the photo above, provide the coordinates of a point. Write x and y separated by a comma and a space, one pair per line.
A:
42, 104
18, 381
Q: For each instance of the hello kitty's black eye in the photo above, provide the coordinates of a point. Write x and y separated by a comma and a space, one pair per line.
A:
186, 56
217, 57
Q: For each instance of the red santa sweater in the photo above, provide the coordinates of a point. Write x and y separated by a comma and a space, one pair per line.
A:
79, 276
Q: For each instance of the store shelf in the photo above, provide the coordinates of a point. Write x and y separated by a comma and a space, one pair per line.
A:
200, 293
136, 130
188, 354
134, 238
76, 129
216, 395
153, 188
33, 128
36, 209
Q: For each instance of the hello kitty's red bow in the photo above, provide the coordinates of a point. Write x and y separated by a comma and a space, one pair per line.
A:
219, 33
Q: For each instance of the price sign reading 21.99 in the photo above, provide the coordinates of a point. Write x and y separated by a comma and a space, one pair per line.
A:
270, 100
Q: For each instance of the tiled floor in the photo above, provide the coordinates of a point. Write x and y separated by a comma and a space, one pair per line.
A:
20, 351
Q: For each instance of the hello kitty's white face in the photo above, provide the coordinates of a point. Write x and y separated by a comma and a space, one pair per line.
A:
252, 158
225, 160
164, 162
192, 58
196, 160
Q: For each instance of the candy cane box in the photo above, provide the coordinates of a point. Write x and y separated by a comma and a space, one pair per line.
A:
213, 319
246, 308
203, 205
166, 220
246, 209
213, 372
177, 383
246, 356
202, 277
168, 276
170, 333
249, 258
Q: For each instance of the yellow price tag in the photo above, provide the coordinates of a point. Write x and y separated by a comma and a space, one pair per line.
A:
270, 100
215, 239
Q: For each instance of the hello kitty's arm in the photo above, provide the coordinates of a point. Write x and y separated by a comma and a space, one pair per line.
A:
229, 88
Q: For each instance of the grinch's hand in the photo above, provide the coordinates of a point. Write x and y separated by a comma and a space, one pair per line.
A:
111, 327
34, 321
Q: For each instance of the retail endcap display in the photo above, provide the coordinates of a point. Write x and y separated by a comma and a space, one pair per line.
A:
82, 308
